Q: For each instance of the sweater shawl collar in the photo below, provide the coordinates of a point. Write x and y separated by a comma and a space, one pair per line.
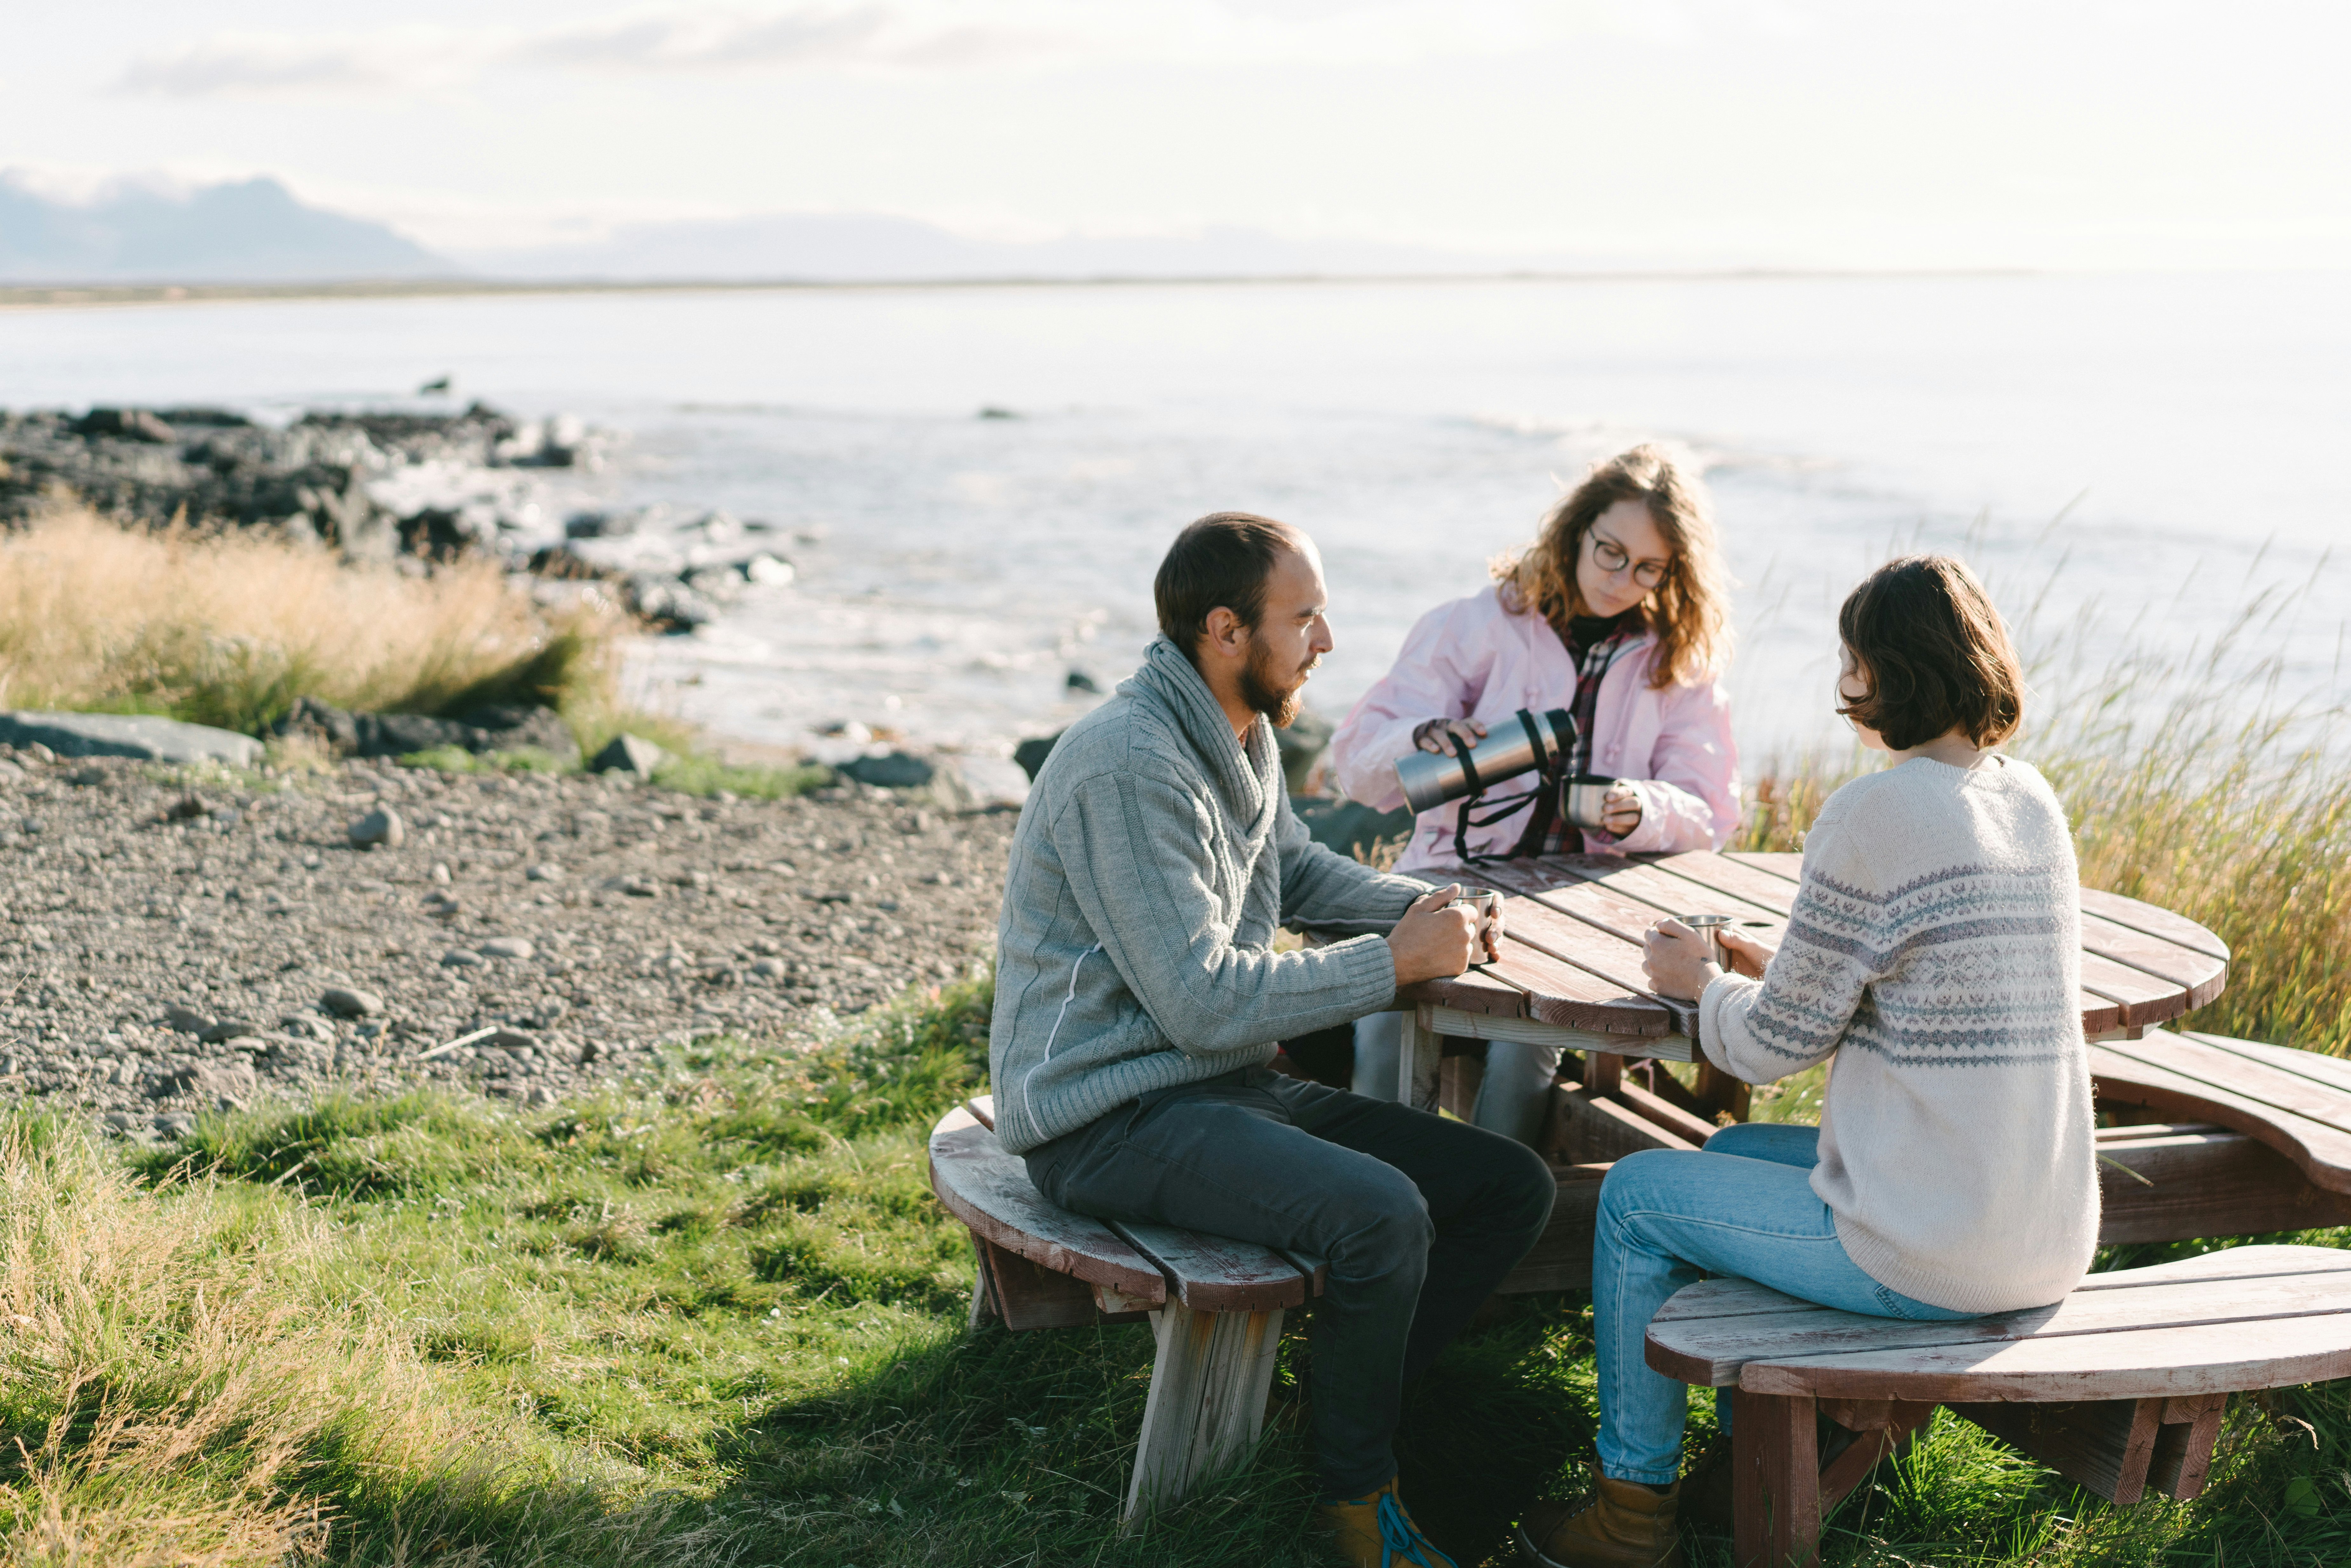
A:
1246, 776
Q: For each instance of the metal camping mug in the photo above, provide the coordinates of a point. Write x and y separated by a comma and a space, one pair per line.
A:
1525, 741
1710, 929
1487, 903
1584, 800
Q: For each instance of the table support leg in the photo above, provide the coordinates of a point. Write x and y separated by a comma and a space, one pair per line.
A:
1775, 1482
1420, 1057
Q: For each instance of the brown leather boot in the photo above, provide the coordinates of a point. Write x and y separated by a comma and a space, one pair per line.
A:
1625, 1525
1374, 1531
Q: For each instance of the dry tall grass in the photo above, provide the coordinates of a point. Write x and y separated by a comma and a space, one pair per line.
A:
229, 628
2216, 800
189, 1401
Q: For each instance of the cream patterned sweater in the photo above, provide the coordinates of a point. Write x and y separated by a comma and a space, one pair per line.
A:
1934, 951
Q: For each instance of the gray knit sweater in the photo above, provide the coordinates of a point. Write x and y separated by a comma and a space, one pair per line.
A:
1154, 861
1934, 951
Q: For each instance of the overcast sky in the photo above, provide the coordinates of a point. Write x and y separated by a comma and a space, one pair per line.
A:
1904, 133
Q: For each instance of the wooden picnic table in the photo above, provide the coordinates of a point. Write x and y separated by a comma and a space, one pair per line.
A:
1570, 970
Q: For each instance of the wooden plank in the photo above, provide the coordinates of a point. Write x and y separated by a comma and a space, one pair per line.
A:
1217, 1273
1788, 865
1775, 1482
1725, 1298
2155, 921
1875, 1445
2199, 976
2267, 1261
1651, 885
1469, 993
2175, 1186
2183, 1445
990, 1191
2127, 1365
2244, 1077
1561, 992
1207, 1403
1659, 1112
1028, 1296
1713, 1350
1451, 1024
2103, 1446
1536, 919
1592, 1129
1720, 873
2129, 1074
2141, 999
1560, 1259
982, 1109
2329, 1072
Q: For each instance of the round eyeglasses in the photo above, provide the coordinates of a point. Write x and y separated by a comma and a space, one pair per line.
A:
1612, 559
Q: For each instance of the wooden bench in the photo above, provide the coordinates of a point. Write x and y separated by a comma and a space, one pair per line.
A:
1215, 1304
2120, 1387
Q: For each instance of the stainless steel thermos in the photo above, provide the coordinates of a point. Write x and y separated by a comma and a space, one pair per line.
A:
1536, 740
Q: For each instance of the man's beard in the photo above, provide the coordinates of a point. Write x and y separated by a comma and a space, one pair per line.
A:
1279, 704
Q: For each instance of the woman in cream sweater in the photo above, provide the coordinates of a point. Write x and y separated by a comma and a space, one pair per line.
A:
1933, 951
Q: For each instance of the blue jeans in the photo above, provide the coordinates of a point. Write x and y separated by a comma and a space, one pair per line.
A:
1744, 1206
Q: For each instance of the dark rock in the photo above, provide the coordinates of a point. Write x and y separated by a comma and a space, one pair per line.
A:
195, 413
666, 603
1031, 754
187, 1019
129, 424
1080, 681
499, 727
1303, 745
344, 1001
629, 754
1349, 827
128, 735
898, 770
188, 808
226, 1029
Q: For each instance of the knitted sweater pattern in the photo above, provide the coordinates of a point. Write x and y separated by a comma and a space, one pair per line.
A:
1934, 951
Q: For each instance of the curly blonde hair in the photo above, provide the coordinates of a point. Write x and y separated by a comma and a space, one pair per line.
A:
1690, 610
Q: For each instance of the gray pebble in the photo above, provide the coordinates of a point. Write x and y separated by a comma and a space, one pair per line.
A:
544, 873
508, 948
380, 826
770, 968
461, 959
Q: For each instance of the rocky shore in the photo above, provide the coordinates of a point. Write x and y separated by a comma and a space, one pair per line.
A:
176, 940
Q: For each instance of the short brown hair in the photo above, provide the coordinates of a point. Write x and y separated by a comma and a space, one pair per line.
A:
1690, 610
1218, 562
1932, 654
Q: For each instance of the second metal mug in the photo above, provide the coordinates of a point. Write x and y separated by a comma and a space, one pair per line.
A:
1582, 801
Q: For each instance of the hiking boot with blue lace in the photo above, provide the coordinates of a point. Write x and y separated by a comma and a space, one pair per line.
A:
1374, 1531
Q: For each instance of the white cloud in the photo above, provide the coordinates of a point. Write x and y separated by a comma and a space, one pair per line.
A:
240, 65
933, 35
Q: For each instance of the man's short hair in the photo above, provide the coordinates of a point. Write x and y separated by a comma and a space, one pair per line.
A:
1932, 654
1220, 561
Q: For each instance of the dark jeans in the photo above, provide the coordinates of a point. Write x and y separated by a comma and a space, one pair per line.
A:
1419, 1216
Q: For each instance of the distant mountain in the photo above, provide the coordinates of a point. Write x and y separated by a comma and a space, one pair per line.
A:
852, 247
251, 232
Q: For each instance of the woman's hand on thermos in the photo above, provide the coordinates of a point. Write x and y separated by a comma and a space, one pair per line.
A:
1429, 735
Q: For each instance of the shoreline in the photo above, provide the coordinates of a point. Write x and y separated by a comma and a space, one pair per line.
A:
74, 296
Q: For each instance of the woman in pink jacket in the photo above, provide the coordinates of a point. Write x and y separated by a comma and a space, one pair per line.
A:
1617, 612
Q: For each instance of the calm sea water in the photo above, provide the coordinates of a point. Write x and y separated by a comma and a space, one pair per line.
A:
2147, 455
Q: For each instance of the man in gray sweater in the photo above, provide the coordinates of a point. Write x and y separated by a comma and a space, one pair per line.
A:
1139, 1000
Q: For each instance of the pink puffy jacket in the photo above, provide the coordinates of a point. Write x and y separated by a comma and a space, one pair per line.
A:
1474, 659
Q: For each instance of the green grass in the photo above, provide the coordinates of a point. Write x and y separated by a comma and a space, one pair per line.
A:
690, 774
717, 1318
